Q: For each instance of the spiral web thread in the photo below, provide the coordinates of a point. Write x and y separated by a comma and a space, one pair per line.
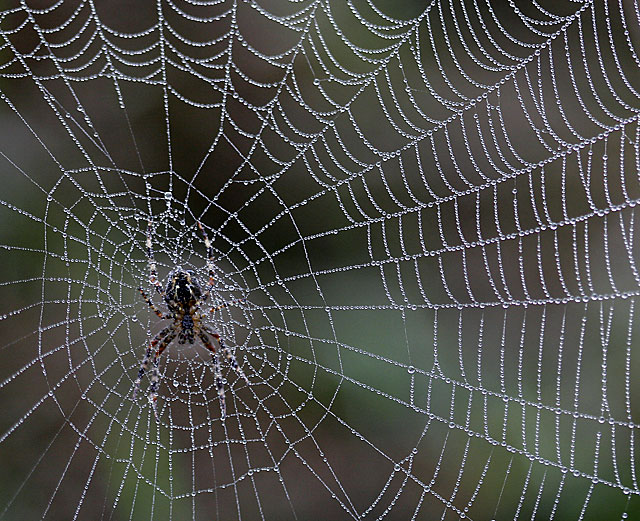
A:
423, 220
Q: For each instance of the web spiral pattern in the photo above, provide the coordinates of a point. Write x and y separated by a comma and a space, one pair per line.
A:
423, 221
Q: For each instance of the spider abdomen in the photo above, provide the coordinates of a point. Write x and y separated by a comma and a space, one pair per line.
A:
183, 290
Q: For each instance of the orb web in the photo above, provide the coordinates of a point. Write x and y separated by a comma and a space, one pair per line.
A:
423, 223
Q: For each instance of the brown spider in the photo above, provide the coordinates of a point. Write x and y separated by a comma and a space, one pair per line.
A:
183, 297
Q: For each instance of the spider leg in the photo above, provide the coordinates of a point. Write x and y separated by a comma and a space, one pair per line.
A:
233, 362
227, 304
152, 305
217, 372
145, 361
153, 276
155, 374
207, 244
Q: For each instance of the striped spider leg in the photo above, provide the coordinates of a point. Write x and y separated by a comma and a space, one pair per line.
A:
162, 339
216, 363
207, 245
153, 270
210, 265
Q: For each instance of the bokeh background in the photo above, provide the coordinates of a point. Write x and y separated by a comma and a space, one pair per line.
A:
427, 210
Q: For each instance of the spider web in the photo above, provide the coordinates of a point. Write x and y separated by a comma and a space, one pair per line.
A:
423, 220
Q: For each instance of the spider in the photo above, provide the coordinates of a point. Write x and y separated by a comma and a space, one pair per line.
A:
184, 298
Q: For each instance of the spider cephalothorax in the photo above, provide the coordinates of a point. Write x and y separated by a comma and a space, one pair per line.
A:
184, 298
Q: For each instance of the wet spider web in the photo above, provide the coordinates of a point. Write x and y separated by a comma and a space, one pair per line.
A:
423, 219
